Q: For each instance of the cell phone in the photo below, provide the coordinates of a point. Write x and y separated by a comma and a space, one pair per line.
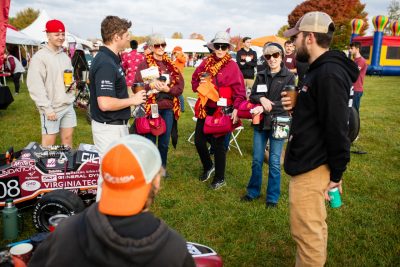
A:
154, 111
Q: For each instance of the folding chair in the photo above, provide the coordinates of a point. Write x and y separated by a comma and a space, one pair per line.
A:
233, 142
192, 102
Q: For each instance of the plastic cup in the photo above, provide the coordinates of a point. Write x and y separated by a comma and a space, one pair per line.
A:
291, 92
256, 119
137, 87
55, 220
22, 251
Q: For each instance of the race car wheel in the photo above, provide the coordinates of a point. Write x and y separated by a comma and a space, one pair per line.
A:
56, 202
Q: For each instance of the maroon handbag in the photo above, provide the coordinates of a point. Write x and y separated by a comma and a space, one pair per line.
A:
244, 109
218, 123
142, 125
157, 126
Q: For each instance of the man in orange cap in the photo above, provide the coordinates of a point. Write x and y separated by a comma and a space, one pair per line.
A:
49, 90
119, 230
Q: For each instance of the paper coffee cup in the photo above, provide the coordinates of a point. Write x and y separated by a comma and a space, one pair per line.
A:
22, 251
291, 92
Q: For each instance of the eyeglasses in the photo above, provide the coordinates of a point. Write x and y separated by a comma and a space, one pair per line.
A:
274, 55
223, 47
160, 45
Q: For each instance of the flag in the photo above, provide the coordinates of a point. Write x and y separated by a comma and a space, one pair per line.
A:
5, 8
228, 30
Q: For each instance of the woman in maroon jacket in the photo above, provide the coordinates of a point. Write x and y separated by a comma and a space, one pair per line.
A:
228, 81
167, 92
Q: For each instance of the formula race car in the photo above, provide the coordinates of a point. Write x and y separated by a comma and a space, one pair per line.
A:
61, 180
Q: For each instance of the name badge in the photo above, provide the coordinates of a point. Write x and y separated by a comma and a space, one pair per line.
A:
262, 88
222, 102
289, 60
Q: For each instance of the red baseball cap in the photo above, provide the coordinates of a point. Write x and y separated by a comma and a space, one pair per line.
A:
54, 26
128, 167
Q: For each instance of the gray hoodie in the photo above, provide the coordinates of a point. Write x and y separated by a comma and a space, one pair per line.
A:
45, 80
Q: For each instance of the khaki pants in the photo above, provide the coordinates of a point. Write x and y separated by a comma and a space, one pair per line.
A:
307, 216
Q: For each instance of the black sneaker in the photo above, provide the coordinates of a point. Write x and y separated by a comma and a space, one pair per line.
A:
247, 198
206, 174
271, 205
215, 185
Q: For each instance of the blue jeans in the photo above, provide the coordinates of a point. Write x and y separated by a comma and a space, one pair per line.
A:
357, 100
274, 175
163, 140
182, 103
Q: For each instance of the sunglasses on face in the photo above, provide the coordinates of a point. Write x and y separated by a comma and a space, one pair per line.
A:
223, 47
160, 45
274, 55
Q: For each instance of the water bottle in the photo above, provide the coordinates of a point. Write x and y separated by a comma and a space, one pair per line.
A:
10, 220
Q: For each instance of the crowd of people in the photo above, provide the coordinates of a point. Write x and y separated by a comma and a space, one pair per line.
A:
131, 166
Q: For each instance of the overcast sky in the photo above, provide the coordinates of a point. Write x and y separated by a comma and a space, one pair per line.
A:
245, 18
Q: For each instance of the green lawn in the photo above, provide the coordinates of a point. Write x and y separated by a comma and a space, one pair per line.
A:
364, 232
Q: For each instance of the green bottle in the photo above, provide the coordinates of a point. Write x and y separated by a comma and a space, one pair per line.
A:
10, 220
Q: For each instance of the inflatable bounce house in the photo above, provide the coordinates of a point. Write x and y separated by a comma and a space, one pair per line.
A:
382, 53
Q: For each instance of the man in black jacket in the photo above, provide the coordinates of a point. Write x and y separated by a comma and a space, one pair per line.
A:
246, 58
119, 230
319, 148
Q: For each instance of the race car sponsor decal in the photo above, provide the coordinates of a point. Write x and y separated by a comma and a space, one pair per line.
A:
71, 183
25, 155
51, 163
10, 171
30, 185
22, 163
89, 157
49, 178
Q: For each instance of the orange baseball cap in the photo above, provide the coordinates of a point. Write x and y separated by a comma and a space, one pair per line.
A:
128, 167
54, 26
177, 48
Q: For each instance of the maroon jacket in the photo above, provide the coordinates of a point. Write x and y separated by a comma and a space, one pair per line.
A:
229, 76
176, 90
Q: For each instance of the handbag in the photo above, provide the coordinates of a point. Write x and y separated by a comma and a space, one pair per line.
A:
218, 123
244, 109
157, 126
281, 127
142, 125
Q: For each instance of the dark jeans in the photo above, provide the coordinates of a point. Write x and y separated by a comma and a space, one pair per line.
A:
16, 77
200, 140
182, 103
163, 140
357, 100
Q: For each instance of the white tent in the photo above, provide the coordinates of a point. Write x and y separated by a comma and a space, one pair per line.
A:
36, 30
188, 45
16, 37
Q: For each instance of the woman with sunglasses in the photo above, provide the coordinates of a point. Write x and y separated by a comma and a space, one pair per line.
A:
167, 92
227, 80
266, 91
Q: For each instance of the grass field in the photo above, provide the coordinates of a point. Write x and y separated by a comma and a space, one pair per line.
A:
363, 232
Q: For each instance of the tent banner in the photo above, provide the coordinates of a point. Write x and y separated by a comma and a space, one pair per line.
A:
5, 8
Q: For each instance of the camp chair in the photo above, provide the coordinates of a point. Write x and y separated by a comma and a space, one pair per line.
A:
232, 143
192, 102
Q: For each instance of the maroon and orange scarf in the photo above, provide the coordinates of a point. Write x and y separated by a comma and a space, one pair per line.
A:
174, 78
